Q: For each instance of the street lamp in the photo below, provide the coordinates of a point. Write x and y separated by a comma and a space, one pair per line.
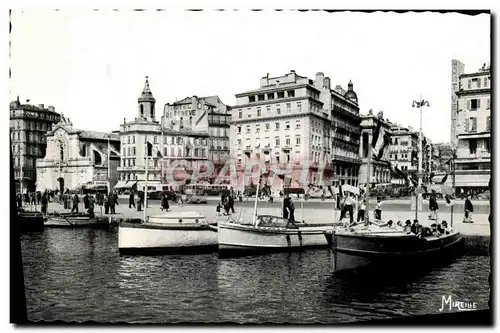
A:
419, 104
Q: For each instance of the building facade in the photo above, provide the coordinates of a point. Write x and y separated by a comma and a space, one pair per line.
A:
291, 123
457, 69
28, 126
180, 139
473, 130
212, 123
380, 170
404, 148
76, 158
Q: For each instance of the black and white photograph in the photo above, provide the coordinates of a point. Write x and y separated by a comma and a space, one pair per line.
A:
250, 166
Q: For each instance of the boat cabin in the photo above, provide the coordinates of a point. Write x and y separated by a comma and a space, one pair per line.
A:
271, 221
178, 217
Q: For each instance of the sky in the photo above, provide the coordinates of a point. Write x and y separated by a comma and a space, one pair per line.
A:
91, 65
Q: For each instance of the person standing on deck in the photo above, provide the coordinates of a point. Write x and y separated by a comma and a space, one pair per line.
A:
285, 207
433, 206
361, 209
291, 210
231, 204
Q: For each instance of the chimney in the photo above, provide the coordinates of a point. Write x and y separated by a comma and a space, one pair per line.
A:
326, 83
51, 108
124, 120
292, 71
40, 106
318, 81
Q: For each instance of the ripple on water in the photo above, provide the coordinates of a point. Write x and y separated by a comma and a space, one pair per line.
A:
79, 275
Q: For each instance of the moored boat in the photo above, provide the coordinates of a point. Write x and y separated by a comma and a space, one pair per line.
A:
169, 232
385, 249
75, 220
270, 234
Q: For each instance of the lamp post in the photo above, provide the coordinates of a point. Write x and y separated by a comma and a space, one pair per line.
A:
419, 104
21, 175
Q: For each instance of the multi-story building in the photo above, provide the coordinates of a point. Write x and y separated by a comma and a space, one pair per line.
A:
404, 148
457, 69
213, 121
473, 130
181, 137
292, 121
380, 169
28, 125
78, 158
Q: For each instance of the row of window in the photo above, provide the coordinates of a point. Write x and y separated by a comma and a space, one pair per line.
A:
474, 104
130, 139
312, 108
31, 125
277, 141
471, 124
271, 96
39, 115
477, 83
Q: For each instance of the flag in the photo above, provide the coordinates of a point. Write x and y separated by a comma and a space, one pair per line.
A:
431, 176
414, 156
445, 178
376, 134
381, 149
449, 201
330, 190
340, 191
149, 149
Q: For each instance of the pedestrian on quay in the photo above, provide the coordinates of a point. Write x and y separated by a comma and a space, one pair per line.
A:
44, 203
106, 204
86, 201
38, 197
90, 210
361, 209
164, 203
131, 200
218, 209
19, 199
378, 209
112, 203
468, 209
139, 202
76, 201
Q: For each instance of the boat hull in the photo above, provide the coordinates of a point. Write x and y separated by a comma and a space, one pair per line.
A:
354, 253
237, 239
163, 239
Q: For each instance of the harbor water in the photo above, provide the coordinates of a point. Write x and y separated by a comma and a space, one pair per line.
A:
78, 275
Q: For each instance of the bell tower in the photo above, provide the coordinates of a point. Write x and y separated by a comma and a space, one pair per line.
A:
146, 103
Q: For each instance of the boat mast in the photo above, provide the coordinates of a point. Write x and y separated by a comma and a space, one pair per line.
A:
256, 199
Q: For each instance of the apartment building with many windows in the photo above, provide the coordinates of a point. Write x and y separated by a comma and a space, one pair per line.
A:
473, 130
291, 121
28, 126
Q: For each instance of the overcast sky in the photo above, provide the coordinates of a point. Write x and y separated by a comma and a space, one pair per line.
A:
91, 65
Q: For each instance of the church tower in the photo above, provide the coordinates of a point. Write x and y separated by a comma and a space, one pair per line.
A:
147, 103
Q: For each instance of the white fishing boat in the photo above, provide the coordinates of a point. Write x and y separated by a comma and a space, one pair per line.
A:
270, 234
169, 232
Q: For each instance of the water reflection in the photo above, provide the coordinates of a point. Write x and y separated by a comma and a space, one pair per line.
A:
79, 275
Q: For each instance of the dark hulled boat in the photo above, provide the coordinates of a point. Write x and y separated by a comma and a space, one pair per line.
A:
389, 249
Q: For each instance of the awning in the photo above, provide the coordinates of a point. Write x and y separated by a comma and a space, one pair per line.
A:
120, 184
129, 184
